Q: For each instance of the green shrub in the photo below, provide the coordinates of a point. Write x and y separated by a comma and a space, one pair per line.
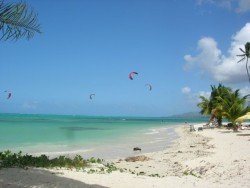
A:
9, 159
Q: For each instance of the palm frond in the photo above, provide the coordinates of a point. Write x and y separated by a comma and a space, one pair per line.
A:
241, 59
17, 21
204, 105
247, 49
247, 70
242, 50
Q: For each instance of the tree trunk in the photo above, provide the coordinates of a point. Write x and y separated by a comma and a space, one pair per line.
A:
219, 121
235, 128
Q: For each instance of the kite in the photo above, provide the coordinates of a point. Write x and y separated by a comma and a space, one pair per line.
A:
131, 75
91, 96
9, 94
149, 86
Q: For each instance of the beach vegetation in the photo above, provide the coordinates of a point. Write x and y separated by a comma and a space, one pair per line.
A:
9, 159
245, 55
185, 173
234, 106
224, 102
94, 160
141, 173
111, 167
17, 21
20, 160
211, 106
121, 170
154, 175
216, 109
91, 171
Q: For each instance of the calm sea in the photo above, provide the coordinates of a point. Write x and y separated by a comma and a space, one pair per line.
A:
63, 134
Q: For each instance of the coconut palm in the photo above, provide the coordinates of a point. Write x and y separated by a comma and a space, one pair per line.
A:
17, 21
206, 109
204, 106
212, 105
233, 106
216, 109
246, 55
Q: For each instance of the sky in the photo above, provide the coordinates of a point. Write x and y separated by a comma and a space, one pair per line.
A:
179, 47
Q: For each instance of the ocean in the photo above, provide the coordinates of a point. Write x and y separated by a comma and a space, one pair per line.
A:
104, 137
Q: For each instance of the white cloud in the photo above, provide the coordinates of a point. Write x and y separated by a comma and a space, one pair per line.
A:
204, 94
194, 97
197, 95
186, 90
221, 3
239, 6
245, 91
222, 68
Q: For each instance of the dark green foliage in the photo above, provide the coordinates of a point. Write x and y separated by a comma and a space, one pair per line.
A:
91, 171
245, 55
111, 167
211, 106
154, 175
185, 173
224, 103
234, 106
9, 159
141, 173
247, 48
17, 21
93, 160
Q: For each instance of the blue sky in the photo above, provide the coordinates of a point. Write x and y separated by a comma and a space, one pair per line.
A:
180, 47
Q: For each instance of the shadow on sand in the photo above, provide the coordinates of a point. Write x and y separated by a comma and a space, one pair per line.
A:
17, 178
243, 134
225, 131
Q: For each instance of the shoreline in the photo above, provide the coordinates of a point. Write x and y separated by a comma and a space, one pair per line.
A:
153, 141
208, 158
150, 139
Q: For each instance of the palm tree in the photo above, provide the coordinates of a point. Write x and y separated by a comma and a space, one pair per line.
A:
246, 55
206, 109
216, 109
212, 105
17, 21
233, 106
204, 106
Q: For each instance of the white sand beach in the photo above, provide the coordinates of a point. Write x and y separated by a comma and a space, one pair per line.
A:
208, 158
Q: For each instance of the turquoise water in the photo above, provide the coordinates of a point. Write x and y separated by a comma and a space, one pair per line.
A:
40, 132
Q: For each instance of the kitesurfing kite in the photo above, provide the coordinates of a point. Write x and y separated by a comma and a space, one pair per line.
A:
91, 96
149, 86
131, 75
9, 94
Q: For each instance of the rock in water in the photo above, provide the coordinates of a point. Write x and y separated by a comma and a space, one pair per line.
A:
137, 149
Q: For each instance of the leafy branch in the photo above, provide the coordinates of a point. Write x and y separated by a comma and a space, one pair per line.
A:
245, 55
17, 21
